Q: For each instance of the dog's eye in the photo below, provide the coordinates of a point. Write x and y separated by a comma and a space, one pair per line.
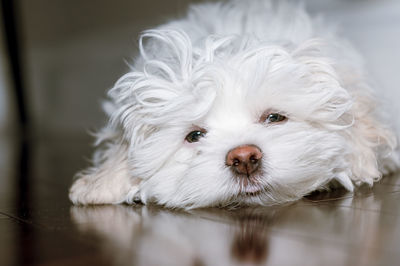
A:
275, 118
272, 118
195, 135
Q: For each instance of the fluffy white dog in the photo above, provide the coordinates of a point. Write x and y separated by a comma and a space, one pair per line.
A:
238, 103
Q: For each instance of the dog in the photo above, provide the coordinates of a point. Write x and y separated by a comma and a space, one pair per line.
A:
238, 103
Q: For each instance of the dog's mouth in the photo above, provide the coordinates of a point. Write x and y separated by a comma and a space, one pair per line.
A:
252, 189
250, 186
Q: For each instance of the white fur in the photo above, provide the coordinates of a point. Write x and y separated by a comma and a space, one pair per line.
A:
220, 68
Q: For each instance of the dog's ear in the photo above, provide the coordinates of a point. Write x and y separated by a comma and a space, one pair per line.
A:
373, 143
161, 82
154, 86
109, 180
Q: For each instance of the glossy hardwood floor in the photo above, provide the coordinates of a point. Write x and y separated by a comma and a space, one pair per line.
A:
38, 225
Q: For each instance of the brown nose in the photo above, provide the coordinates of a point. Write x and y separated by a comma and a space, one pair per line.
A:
244, 159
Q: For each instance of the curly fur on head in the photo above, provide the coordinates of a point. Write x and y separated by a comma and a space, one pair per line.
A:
220, 72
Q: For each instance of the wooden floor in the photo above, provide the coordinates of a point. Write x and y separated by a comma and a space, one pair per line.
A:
38, 225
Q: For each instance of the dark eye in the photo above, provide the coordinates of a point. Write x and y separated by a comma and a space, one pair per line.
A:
275, 118
195, 135
272, 118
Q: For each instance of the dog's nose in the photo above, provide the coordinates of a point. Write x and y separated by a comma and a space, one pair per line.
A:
244, 159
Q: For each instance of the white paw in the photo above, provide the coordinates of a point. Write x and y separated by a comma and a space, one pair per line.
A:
88, 190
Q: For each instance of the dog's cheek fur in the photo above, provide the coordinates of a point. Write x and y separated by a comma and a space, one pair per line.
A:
304, 159
192, 177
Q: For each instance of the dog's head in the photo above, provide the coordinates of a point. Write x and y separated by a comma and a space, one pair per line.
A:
235, 121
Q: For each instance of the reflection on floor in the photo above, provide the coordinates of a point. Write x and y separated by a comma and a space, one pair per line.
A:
38, 226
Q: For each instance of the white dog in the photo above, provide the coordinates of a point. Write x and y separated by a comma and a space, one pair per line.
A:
239, 103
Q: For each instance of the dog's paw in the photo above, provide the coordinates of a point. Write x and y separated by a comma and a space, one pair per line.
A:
91, 190
84, 192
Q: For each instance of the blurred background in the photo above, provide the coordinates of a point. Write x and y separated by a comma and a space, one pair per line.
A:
71, 52
58, 58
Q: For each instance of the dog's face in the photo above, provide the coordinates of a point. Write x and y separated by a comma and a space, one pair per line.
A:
242, 152
259, 126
